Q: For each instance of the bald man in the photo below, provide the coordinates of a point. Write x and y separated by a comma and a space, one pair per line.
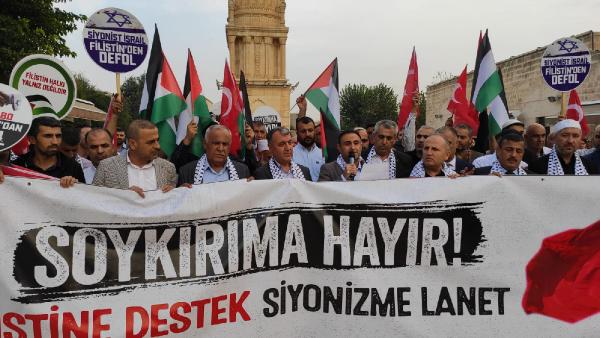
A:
436, 151
535, 140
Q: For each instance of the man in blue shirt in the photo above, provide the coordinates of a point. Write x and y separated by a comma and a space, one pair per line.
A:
306, 152
215, 165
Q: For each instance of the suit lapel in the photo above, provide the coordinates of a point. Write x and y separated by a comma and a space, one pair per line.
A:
122, 172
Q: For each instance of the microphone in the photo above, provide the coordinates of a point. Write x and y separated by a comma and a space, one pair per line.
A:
351, 161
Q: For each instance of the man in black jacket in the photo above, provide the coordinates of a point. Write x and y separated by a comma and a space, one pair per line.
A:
509, 153
382, 152
281, 166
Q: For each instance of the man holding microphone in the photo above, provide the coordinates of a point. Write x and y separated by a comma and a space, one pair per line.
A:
349, 163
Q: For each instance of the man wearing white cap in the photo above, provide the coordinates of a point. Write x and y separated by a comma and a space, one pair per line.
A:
563, 159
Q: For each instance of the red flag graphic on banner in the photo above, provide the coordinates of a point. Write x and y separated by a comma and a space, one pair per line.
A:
575, 112
231, 110
18, 171
563, 279
411, 92
460, 107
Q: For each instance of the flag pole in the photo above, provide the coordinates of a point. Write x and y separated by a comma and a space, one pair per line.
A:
118, 82
318, 77
563, 105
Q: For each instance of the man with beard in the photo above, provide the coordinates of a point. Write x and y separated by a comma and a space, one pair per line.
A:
44, 155
281, 165
69, 146
563, 159
436, 152
535, 141
509, 154
140, 169
465, 140
215, 165
121, 144
99, 145
306, 152
382, 153
348, 163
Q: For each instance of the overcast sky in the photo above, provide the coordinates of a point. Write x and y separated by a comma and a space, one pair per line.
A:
372, 39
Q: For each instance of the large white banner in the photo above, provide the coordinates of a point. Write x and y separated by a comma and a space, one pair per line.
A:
412, 257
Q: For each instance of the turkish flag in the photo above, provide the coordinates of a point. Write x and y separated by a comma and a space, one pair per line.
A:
18, 171
411, 92
231, 110
563, 279
575, 112
460, 107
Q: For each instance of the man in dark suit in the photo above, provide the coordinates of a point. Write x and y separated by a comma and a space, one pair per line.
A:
281, 166
215, 165
348, 162
454, 162
509, 153
422, 134
384, 137
594, 156
563, 159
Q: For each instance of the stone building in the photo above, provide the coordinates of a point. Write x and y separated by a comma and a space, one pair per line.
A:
529, 97
256, 37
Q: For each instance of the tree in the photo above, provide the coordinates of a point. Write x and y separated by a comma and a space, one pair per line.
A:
87, 91
361, 105
132, 95
33, 27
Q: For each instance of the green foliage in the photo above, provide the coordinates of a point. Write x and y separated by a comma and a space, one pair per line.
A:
33, 27
132, 95
87, 91
361, 105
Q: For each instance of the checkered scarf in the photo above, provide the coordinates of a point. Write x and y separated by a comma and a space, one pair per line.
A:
498, 168
391, 161
419, 170
203, 164
279, 175
555, 168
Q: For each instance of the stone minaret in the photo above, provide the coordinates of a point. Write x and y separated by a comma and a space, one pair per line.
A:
256, 37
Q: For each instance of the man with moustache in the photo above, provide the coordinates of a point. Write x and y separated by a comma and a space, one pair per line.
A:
99, 145
422, 134
215, 165
509, 154
564, 159
594, 155
535, 141
348, 163
465, 139
306, 152
383, 152
281, 165
140, 170
364, 137
44, 156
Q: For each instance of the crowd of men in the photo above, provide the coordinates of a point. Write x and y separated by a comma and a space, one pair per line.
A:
133, 159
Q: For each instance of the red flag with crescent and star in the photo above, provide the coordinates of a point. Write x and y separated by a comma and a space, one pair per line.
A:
460, 107
231, 111
575, 112
411, 92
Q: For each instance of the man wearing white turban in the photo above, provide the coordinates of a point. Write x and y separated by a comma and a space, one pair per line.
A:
563, 159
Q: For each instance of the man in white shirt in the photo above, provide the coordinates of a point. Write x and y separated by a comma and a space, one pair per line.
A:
306, 152
141, 169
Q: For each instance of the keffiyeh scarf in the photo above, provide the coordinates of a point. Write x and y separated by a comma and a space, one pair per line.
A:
419, 170
391, 161
340, 161
203, 164
279, 175
497, 168
555, 168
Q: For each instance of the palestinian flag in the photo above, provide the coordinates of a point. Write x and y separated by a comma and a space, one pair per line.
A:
324, 95
196, 109
232, 113
162, 100
488, 88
